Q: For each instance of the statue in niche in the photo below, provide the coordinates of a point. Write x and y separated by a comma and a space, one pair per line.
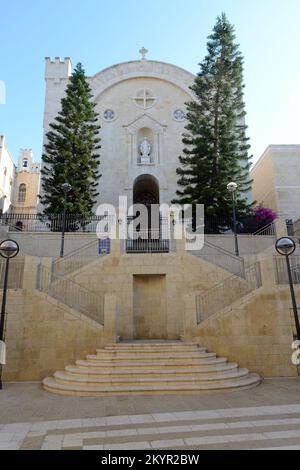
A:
145, 149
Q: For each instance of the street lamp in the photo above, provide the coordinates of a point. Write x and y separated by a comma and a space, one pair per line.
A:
8, 250
286, 246
66, 187
232, 187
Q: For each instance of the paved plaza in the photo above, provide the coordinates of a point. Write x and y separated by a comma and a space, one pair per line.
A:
261, 418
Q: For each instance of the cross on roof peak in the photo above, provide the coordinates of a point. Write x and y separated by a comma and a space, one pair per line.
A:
143, 53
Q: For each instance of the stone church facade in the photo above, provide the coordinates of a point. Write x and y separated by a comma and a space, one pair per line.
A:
141, 106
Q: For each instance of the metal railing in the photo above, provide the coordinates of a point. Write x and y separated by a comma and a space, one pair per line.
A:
153, 240
224, 225
72, 294
222, 258
78, 258
15, 273
281, 273
52, 223
228, 291
268, 230
147, 245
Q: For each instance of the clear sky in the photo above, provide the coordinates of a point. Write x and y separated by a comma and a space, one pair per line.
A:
100, 33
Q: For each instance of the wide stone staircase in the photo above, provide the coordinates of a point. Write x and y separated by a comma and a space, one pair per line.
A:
150, 368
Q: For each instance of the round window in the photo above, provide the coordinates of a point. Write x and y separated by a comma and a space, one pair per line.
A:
179, 115
109, 115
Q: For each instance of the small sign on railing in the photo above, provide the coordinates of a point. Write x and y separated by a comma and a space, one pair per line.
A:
104, 246
2, 353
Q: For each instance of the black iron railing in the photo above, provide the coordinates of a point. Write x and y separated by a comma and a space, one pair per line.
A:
72, 294
220, 257
89, 223
151, 240
226, 292
53, 223
281, 273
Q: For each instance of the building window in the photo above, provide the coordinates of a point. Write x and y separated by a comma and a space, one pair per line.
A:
144, 99
109, 115
179, 115
25, 163
22, 193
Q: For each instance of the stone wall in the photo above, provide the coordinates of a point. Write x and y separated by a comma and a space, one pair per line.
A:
48, 244
115, 273
256, 331
44, 335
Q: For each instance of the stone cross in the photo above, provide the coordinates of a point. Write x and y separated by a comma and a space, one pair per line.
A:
143, 52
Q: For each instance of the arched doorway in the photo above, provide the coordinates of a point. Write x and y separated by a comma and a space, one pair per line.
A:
146, 193
146, 190
147, 232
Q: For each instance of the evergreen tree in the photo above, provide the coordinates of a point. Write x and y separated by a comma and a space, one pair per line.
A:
215, 143
70, 153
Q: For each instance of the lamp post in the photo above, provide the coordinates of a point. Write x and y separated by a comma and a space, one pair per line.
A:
66, 187
232, 187
286, 246
8, 250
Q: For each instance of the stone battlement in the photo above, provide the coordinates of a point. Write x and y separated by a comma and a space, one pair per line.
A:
57, 68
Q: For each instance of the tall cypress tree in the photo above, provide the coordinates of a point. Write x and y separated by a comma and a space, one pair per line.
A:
71, 151
215, 143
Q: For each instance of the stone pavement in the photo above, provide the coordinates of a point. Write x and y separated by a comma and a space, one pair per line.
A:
261, 418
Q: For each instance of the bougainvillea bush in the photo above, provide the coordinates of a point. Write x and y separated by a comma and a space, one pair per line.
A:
264, 214
260, 217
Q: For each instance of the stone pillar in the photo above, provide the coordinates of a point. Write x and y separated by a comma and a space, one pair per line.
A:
30, 272
190, 318
110, 317
281, 228
267, 272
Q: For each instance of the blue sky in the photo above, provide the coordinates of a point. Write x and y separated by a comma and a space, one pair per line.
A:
100, 33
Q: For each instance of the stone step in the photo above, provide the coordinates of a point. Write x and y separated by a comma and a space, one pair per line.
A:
152, 364
164, 343
65, 377
152, 350
153, 346
51, 385
150, 369
144, 372
132, 355
169, 356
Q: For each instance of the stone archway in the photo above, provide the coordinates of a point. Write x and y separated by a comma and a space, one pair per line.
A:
146, 190
146, 193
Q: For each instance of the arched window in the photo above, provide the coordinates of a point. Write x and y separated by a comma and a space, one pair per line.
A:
25, 163
22, 193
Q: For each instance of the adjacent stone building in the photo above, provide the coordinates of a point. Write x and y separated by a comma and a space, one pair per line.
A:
7, 175
27, 183
276, 181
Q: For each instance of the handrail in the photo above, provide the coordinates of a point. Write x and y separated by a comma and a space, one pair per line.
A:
223, 250
281, 273
222, 258
79, 250
271, 228
226, 292
72, 294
